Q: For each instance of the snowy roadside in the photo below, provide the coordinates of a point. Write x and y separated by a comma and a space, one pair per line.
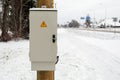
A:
112, 30
96, 34
108, 41
84, 55
14, 61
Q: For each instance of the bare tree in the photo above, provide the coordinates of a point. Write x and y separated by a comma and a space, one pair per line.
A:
74, 24
0, 14
20, 11
15, 18
5, 36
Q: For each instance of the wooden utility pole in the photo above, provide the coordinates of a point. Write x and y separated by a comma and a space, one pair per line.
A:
45, 75
47, 3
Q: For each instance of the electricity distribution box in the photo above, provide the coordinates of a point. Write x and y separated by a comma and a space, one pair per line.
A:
43, 36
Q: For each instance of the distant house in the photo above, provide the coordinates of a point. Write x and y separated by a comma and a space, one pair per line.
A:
108, 23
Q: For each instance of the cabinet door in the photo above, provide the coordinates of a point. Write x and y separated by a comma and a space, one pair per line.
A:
43, 35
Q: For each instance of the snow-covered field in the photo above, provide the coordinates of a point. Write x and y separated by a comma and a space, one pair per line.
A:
84, 55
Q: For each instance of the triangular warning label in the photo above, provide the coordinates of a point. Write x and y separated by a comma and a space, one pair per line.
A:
43, 24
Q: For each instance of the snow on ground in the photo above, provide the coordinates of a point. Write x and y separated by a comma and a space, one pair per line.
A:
14, 61
84, 55
112, 30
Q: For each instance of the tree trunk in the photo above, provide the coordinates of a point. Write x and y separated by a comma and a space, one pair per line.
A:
20, 26
5, 36
16, 8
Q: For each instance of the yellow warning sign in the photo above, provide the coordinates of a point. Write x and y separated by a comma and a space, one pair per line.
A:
43, 25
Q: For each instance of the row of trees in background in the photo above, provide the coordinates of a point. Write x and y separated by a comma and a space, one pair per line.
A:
71, 24
14, 17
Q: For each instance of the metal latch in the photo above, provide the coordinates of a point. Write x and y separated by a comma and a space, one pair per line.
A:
53, 38
57, 60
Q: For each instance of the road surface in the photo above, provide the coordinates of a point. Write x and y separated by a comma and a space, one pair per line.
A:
86, 58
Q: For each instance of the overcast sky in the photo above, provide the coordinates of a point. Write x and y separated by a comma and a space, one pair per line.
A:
74, 9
